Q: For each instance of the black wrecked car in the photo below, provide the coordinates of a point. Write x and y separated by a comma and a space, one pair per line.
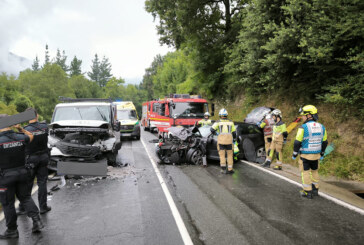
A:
250, 140
189, 145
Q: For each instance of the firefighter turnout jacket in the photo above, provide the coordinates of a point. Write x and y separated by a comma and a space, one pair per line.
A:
204, 122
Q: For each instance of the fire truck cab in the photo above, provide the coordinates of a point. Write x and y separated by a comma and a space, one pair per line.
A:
175, 110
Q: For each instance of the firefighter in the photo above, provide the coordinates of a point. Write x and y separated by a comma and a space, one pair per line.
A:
278, 139
226, 133
205, 121
267, 125
310, 143
13, 180
37, 154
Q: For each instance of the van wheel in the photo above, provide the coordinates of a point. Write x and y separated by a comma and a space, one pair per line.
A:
137, 137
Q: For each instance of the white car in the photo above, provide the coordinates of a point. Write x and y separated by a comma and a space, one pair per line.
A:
84, 136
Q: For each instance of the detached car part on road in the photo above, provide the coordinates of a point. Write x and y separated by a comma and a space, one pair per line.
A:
84, 136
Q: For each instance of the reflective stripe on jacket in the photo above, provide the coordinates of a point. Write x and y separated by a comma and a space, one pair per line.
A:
278, 130
204, 122
224, 126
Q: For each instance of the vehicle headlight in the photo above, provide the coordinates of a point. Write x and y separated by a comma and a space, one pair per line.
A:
52, 140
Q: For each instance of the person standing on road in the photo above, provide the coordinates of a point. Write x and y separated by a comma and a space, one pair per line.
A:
13, 180
37, 156
267, 125
205, 121
278, 139
226, 133
310, 143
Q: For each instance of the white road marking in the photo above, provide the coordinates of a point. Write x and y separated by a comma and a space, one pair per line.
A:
333, 199
177, 216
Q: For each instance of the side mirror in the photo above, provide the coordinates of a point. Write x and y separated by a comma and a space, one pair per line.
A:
117, 126
212, 110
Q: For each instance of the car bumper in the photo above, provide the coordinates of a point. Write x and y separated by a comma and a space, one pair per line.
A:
131, 133
86, 168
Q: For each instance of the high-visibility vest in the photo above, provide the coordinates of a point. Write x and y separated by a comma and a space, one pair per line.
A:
205, 122
312, 137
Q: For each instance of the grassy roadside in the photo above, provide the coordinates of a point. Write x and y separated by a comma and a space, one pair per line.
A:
347, 133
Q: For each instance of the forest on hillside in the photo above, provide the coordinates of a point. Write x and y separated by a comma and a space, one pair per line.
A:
41, 86
310, 50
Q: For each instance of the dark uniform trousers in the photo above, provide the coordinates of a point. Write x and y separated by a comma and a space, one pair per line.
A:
40, 170
13, 182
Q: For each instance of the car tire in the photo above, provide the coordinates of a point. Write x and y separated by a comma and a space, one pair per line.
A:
249, 150
137, 137
112, 159
260, 154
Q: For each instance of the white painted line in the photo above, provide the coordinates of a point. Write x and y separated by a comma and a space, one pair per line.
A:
177, 216
333, 199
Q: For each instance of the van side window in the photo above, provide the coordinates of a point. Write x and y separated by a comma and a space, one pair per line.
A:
162, 109
155, 107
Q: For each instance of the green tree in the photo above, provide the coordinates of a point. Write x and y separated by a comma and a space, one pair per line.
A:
35, 65
9, 88
46, 56
114, 88
84, 88
147, 83
43, 88
176, 75
207, 26
22, 102
105, 71
94, 74
75, 67
7, 109
61, 60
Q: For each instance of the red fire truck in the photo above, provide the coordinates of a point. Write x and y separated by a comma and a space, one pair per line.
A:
174, 110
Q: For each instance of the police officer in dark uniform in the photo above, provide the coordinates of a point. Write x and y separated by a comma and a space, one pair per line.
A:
13, 180
37, 160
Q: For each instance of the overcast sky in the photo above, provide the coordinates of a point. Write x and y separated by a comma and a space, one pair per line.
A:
119, 29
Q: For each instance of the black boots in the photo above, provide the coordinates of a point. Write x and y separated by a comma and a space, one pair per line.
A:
45, 209
314, 190
8, 234
37, 224
266, 164
307, 194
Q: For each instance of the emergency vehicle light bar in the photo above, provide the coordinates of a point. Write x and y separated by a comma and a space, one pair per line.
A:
179, 96
66, 99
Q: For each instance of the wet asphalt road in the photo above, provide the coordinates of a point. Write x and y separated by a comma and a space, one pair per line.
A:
129, 207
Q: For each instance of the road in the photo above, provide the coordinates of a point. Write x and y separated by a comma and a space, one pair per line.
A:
130, 207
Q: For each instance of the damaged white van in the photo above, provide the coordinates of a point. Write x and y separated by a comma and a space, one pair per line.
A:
84, 136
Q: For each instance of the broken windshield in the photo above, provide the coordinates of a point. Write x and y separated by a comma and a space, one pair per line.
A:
100, 113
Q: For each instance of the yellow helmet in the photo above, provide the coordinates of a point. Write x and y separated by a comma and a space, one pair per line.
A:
308, 109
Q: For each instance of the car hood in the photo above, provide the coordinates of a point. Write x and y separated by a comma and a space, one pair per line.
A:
80, 123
